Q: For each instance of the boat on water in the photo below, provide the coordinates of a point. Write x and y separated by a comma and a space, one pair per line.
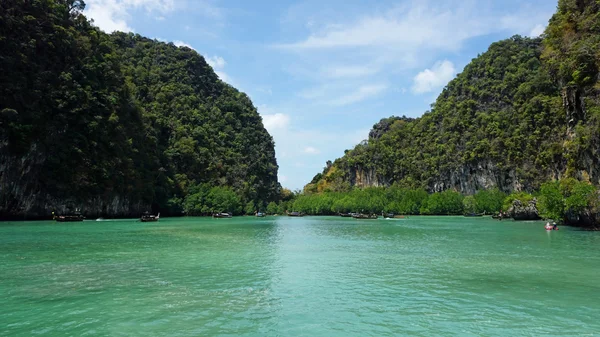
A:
221, 215
366, 216
260, 214
69, 218
500, 216
149, 217
346, 215
298, 214
77, 216
471, 215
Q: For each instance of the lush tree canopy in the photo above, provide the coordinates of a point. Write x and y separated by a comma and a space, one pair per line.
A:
117, 123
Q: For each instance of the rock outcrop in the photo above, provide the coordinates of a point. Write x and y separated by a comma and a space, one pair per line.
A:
520, 211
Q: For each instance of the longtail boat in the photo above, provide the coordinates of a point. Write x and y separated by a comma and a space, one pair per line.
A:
299, 214
150, 217
365, 216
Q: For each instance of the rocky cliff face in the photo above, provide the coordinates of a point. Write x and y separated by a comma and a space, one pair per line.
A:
116, 125
361, 177
520, 211
506, 122
23, 194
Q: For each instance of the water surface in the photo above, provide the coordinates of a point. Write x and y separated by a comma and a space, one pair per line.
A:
313, 276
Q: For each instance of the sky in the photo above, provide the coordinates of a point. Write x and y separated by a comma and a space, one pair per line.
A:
322, 72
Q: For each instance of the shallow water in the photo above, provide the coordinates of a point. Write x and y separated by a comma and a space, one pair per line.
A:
312, 276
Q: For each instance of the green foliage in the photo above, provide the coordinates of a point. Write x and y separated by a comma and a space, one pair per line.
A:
495, 118
205, 200
559, 199
250, 208
489, 201
469, 204
446, 203
272, 208
523, 197
581, 196
551, 202
97, 116
377, 200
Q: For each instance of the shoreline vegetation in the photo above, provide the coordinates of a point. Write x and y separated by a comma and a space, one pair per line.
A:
568, 202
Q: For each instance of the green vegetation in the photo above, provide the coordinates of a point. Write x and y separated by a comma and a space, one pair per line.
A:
521, 114
568, 200
117, 123
497, 119
398, 200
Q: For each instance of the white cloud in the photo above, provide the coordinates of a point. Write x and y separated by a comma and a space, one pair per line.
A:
276, 122
216, 62
537, 30
362, 93
112, 15
179, 43
224, 77
431, 79
311, 150
418, 25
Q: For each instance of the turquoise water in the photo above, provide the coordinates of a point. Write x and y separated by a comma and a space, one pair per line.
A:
313, 276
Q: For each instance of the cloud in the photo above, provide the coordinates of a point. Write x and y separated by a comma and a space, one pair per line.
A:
311, 150
537, 30
179, 43
362, 93
216, 62
112, 15
276, 122
417, 25
224, 77
431, 79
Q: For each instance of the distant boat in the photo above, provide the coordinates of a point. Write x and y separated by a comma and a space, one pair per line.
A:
365, 216
149, 217
346, 215
69, 218
473, 214
222, 215
260, 214
299, 214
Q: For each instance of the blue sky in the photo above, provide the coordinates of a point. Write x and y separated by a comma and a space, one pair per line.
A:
322, 72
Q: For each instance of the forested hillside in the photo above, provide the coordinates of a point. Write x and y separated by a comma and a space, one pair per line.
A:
523, 113
118, 124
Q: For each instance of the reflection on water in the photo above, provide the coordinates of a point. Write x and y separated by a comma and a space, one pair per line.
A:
298, 277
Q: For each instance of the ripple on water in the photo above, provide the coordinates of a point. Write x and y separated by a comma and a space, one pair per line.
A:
421, 276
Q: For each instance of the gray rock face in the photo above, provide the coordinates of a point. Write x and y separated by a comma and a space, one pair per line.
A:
362, 178
20, 196
520, 211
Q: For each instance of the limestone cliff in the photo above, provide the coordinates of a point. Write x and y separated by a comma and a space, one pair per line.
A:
116, 125
525, 112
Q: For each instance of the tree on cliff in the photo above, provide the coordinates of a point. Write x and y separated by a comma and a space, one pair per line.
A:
116, 123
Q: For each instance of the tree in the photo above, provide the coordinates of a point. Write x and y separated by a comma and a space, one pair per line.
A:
469, 205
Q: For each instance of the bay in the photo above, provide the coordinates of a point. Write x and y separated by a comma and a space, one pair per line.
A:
312, 276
